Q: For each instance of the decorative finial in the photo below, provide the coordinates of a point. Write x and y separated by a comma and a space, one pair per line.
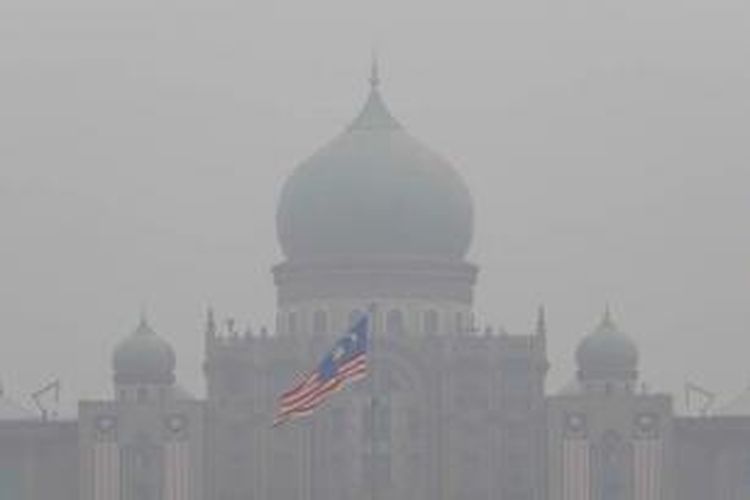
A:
230, 327
143, 317
541, 321
210, 322
144, 328
374, 71
607, 318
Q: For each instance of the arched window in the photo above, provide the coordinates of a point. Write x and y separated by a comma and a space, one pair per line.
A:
460, 327
320, 322
431, 325
613, 469
377, 429
354, 316
292, 325
279, 322
394, 322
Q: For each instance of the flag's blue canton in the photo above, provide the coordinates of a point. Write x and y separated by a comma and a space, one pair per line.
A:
347, 348
346, 362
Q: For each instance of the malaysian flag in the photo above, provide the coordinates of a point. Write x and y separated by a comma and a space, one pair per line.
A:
345, 363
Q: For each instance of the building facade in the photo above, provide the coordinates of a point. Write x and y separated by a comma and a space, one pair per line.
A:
376, 221
148, 442
607, 439
375, 218
37, 456
712, 457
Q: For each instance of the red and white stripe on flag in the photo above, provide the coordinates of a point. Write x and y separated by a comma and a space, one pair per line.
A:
314, 389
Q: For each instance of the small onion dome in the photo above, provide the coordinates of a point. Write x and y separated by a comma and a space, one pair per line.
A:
144, 358
375, 191
607, 354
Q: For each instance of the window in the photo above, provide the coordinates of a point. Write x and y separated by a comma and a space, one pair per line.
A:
612, 473
292, 325
354, 316
459, 322
431, 322
394, 322
141, 395
320, 322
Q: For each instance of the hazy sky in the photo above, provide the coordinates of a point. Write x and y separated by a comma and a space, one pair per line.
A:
143, 144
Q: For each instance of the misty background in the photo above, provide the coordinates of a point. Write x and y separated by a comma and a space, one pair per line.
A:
143, 145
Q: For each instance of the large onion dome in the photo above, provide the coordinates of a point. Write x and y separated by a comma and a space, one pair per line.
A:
144, 358
607, 354
375, 191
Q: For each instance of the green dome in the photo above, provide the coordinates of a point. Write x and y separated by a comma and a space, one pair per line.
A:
375, 191
143, 358
607, 354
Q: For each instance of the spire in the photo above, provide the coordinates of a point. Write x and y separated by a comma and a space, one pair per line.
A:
375, 114
541, 321
143, 325
374, 71
210, 323
607, 318
143, 317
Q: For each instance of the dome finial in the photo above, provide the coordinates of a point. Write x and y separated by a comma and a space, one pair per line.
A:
210, 322
607, 318
210, 331
541, 321
143, 317
375, 114
144, 327
374, 70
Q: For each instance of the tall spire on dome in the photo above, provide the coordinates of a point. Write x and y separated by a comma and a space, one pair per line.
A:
607, 320
210, 331
144, 327
541, 321
375, 114
374, 71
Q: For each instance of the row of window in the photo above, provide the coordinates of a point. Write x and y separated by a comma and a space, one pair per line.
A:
143, 394
394, 321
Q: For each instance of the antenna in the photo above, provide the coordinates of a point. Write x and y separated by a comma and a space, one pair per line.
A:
54, 388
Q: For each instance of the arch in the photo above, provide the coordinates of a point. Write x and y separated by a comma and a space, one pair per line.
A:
394, 322
460, 327
401, 431
292, 323
354, 316
320, 322
431, 322
614, 473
